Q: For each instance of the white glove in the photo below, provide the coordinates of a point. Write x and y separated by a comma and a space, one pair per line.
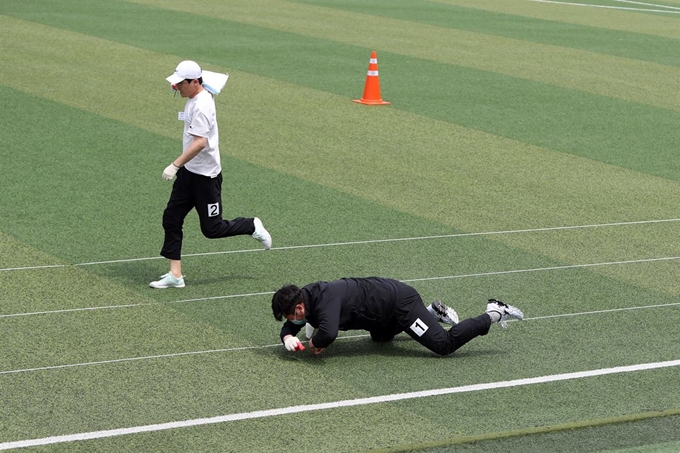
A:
170, 172
293, 344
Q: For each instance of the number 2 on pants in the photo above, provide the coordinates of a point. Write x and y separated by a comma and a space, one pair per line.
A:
213, 210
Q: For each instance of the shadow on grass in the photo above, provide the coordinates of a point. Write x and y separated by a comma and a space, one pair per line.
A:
400, 346
658, 434
139, 273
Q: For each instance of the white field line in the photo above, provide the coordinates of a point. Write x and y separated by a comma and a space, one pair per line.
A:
134, 359
648, 4
599, 312
610, 7
336, 404
344, 337
337, 244
551, 268
424, 279
144, 304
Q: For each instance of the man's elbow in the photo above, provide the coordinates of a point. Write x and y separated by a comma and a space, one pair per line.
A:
201, 141
323, 340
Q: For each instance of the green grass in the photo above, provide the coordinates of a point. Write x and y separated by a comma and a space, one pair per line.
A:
554, 32
632, 436
509, 120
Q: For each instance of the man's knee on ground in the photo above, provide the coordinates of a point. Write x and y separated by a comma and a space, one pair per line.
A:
441, 351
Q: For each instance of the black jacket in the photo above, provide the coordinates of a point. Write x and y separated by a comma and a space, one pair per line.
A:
346, 304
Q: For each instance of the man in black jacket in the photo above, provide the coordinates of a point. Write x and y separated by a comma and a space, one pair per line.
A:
382, 306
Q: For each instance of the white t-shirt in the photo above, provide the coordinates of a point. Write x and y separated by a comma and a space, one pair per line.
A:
200, 120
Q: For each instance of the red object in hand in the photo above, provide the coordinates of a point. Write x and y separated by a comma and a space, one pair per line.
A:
299, 347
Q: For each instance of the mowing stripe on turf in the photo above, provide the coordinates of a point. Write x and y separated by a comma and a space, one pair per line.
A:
607, 19
245, 348
555, 65
539, 269
335, 404
648, 4
563, 179
370, 241
424, 279
611, 7
528, 431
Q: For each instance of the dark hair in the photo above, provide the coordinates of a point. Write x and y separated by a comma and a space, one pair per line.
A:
285, 300
200, 80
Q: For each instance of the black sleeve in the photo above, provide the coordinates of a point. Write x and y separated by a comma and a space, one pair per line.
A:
290, 328
328, 314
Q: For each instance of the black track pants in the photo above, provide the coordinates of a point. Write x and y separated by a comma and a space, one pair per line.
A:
413, 318
205, 194
426, 330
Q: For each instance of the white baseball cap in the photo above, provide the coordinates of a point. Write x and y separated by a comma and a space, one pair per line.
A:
187, 69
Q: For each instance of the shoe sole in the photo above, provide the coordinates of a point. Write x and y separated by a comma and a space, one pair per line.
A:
166, 287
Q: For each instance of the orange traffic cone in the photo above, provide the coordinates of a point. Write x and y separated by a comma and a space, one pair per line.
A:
372, 87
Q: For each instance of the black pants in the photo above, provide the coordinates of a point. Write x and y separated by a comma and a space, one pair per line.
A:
413, 318
205, 194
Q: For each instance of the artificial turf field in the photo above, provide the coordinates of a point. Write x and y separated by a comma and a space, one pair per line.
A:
530, 153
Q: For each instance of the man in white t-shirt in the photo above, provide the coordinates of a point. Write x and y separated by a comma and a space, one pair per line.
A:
199, 177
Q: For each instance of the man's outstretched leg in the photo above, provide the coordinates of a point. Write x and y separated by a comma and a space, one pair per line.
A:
431, 335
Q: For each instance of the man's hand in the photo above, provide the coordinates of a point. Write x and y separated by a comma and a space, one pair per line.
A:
170, 172
313, 349
293, 343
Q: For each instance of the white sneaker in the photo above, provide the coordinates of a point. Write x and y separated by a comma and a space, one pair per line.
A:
168, 281
505, 310
262, 235
443, 313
